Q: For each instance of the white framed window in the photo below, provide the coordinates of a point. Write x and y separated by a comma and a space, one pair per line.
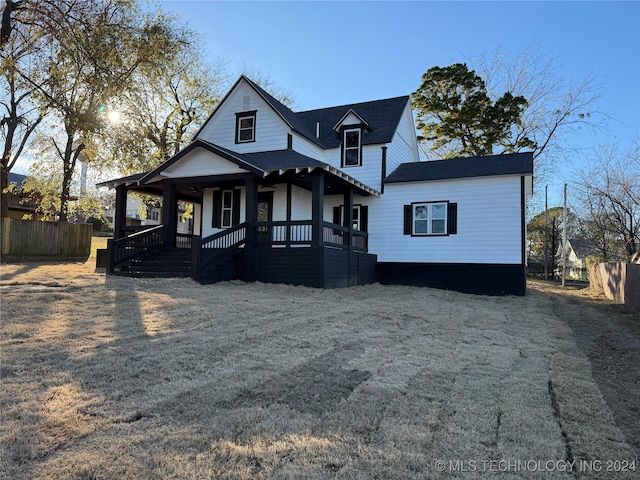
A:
245, 127
429, 218
227, 209
351, 147
357, 217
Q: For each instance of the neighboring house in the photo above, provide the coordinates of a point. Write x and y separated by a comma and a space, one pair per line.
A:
329, 198
578, 249
151, 216
19, 204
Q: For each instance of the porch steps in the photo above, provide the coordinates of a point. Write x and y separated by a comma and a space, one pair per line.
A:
161, 263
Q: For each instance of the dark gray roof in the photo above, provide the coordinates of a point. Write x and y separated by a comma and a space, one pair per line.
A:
16, 178
279, 159
487, 166
121, 181
382, 117
260, 163
583, 247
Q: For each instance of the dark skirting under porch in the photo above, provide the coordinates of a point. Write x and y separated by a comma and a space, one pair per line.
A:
319, 267
481, 279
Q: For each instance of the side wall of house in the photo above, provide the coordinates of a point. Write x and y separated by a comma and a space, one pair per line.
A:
270, 130
404, 147
484, 256
368, 173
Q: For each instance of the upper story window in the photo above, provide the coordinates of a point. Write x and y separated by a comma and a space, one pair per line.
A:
246, 127
352, 147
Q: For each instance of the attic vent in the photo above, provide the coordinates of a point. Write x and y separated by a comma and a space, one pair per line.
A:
246, 102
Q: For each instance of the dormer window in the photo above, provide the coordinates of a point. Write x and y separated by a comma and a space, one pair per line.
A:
246, 127
351, 147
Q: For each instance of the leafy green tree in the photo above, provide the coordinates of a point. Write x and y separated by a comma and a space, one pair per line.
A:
455, 113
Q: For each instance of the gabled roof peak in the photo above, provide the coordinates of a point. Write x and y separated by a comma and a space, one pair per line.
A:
349, 112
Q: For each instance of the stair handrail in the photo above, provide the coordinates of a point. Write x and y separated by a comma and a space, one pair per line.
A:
222, 244
136, 245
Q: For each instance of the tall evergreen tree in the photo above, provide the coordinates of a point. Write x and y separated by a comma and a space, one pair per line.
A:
456, 114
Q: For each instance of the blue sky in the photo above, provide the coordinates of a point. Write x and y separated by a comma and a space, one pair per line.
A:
332, 53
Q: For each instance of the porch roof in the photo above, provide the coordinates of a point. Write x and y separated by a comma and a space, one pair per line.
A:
261, 164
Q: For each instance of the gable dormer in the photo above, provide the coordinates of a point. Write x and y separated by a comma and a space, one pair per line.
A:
351, 128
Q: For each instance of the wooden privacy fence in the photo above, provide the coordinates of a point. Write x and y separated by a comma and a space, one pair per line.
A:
621, 282
30, 237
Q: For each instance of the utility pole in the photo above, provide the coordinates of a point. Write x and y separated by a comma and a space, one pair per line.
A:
546, 233
564, 237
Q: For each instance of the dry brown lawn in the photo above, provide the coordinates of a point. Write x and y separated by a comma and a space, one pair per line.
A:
120, 378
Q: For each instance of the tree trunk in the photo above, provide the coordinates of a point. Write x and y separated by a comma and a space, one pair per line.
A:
4, 183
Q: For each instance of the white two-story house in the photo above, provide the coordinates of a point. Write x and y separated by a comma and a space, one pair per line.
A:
332, 197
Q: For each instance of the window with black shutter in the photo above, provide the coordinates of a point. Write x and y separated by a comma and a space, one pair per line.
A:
431, 218
226, 208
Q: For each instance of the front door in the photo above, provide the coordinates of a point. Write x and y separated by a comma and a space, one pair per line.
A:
265, 214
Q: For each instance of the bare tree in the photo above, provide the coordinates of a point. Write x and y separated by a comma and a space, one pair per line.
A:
22, 108
610, 196
555, 106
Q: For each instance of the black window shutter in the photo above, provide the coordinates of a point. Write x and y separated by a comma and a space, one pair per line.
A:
217, 209
235, 220
452, 218
364, 218
408, 217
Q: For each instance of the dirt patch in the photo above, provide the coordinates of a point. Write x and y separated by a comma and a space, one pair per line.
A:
609, 335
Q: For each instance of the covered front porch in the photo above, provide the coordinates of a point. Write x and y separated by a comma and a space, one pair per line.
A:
252, 226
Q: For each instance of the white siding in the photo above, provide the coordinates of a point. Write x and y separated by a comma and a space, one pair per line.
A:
404, 146
300, 206
331, 201
370, 171
489, 222
201, 162
301, 201
305, 147
271, 131
351, 119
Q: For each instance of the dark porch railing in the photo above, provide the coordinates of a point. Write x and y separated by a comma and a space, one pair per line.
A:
134, 246
183, 240
208, 250
337, 236
300, 232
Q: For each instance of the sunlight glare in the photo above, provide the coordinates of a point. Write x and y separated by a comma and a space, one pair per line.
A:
113, 116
